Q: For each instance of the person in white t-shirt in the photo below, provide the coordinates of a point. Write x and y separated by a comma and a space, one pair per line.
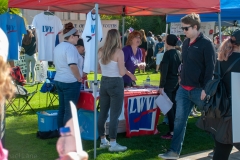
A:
68, 78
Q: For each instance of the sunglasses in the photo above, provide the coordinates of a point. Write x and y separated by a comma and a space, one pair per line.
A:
185, 28
77, 35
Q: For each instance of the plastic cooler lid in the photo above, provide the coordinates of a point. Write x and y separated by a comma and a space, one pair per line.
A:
65, 129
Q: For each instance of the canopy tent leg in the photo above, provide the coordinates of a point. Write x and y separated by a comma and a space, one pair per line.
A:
166, 33
95, 83
219, 27
123, 26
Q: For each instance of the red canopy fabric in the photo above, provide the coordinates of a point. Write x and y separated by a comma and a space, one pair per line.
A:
115, 7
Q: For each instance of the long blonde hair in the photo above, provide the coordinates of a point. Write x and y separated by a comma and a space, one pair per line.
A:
27, 39
144, 38
112, 43
6, 86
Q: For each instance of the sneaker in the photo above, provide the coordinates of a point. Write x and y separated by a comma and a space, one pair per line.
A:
211, 154
169, 155
167, 136
193, 114
105, 145
117, 148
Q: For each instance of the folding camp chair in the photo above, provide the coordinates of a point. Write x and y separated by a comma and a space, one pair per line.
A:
20, 93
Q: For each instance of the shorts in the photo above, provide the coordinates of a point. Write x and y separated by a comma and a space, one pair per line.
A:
159, 57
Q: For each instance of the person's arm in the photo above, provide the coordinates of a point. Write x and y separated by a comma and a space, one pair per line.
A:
99, 67
210, 59
164, 70
121, 65
75, 72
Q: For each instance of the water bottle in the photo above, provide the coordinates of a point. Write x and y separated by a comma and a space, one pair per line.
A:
148, 80
48, 82
66, 143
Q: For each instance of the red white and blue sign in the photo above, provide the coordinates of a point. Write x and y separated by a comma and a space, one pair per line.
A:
141, 115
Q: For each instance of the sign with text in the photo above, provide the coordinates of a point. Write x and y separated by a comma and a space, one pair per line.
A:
106, 25
207, 28
141, 115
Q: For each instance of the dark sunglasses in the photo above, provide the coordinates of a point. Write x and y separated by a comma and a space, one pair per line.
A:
77, 35
185, 28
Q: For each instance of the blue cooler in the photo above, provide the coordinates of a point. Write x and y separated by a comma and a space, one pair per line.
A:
86, 124
47, 122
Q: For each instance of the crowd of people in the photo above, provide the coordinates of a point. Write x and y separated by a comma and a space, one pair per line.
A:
185, 69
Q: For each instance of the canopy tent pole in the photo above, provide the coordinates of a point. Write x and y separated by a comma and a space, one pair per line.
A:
95, 81
219, 27
166, 33
123, 25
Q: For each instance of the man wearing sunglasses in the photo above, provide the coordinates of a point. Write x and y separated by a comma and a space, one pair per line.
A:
198, 59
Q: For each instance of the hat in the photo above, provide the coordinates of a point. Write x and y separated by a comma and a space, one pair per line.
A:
171, 40
80, 42
235, 38
163, 34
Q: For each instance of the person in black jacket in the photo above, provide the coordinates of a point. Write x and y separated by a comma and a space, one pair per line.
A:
229, 51
169, 78
198, 59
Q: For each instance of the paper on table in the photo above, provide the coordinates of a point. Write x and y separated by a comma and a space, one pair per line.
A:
164, 103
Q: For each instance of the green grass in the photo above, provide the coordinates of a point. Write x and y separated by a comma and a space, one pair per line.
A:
22, 143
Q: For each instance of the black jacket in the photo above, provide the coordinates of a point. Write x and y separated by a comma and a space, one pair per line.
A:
169, 69
198, 62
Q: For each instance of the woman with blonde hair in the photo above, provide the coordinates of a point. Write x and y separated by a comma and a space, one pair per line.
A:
132, 57
111, 65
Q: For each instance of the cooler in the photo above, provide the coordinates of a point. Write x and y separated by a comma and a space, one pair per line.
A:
47, 120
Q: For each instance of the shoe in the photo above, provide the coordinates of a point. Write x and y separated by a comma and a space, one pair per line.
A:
105, 145
167, 136
169, 155
117, 148
211, 154
193, 114
155, 72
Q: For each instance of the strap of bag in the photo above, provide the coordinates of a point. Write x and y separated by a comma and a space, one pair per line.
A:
230, 67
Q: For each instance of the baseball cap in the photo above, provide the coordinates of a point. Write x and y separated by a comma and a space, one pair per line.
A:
80, 42
171, 40
235, 38
163, 34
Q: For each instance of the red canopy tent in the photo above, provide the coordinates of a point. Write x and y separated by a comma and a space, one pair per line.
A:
132, 7
117, 7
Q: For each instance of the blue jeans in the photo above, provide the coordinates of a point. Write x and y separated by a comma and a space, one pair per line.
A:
67, 92
185, 101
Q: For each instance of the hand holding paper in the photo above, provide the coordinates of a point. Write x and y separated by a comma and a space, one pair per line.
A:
163, 102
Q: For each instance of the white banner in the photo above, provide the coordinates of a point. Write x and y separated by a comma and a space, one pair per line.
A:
235, 106
106, 25
207, 28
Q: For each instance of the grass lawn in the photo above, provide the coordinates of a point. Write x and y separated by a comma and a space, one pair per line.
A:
22, 143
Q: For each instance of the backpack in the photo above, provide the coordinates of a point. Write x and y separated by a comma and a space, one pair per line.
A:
215, 111
17, 76
217, 101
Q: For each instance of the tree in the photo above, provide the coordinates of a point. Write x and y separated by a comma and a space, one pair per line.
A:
156, 24
4, 8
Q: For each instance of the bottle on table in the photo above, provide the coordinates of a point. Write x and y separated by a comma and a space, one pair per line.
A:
66, 142
148, 80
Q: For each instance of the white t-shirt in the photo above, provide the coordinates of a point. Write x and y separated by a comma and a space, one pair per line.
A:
47, 27
65, 54
88, 37
3, 45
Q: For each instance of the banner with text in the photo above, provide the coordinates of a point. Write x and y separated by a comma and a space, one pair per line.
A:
141, 114
106, 25
207, 28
